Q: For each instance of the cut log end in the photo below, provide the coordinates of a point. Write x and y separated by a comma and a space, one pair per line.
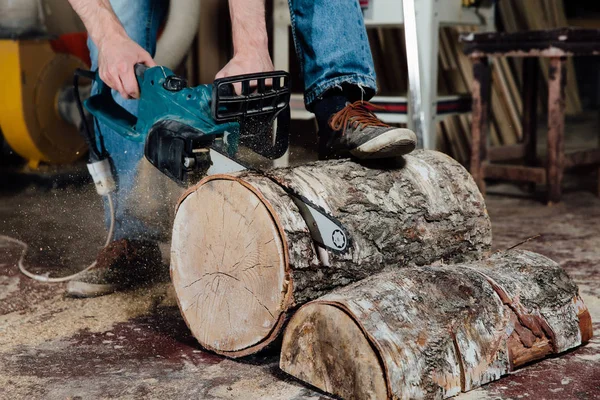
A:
227, 254
333, 354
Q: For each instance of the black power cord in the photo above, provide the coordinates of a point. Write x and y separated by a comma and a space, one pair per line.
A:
95, 154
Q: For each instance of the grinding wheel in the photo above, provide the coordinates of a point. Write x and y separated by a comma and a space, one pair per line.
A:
31, 77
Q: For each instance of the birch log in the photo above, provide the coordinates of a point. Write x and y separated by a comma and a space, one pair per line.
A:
432, 332
242, 257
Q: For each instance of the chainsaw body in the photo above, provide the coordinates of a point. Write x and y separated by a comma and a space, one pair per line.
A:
178, 124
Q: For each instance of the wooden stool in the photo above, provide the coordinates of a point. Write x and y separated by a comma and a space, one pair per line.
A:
556, 45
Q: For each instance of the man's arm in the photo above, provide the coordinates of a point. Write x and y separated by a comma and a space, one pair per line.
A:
250, 39
117, 53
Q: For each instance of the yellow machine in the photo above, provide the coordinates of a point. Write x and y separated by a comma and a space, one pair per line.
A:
31, 77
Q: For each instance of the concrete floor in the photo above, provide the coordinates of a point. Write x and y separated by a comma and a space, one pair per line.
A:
135, 345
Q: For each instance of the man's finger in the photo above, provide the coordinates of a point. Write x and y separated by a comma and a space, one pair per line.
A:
224, 73
150, 62
110, 76
237, 87
146, 59
115, 83
106, 77
130, 84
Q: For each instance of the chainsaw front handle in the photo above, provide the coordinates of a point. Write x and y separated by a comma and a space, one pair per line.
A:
264, 99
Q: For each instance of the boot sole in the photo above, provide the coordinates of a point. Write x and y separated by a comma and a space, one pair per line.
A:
84, 290
394, 143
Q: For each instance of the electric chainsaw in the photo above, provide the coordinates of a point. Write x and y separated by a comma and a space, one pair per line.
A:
190, 132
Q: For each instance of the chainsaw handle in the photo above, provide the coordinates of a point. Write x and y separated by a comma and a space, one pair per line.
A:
264, 98
139, 70
104, 107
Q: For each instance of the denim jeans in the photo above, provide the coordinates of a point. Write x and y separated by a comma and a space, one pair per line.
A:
332, 46
141, 20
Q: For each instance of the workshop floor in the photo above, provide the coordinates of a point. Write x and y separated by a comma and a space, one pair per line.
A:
135, 345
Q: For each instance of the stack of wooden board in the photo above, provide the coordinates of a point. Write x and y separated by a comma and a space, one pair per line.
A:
389, 56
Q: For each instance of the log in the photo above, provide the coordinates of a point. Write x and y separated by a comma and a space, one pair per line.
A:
435, 331
242, 258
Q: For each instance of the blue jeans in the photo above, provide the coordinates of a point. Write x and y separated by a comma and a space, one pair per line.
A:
332, 46
141, 20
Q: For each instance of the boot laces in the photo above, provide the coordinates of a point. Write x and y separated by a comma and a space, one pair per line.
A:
358, 115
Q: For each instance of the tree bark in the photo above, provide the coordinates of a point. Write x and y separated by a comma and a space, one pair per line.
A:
432, 332
243, 258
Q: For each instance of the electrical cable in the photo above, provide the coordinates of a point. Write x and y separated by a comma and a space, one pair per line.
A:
94, 153
47, 279
100, 169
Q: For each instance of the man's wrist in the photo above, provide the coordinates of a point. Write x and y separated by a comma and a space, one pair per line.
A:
108, 36
100, 20
259, 44
251, 53
254, 61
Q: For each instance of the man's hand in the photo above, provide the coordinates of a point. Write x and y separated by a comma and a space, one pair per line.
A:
250, 40
117, 53
117, 57
246, 64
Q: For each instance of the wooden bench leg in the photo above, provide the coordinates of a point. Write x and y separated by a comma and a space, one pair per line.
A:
556, 127
529, 118
480, 91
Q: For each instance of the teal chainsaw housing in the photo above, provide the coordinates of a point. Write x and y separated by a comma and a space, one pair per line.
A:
178, 124
190, 106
